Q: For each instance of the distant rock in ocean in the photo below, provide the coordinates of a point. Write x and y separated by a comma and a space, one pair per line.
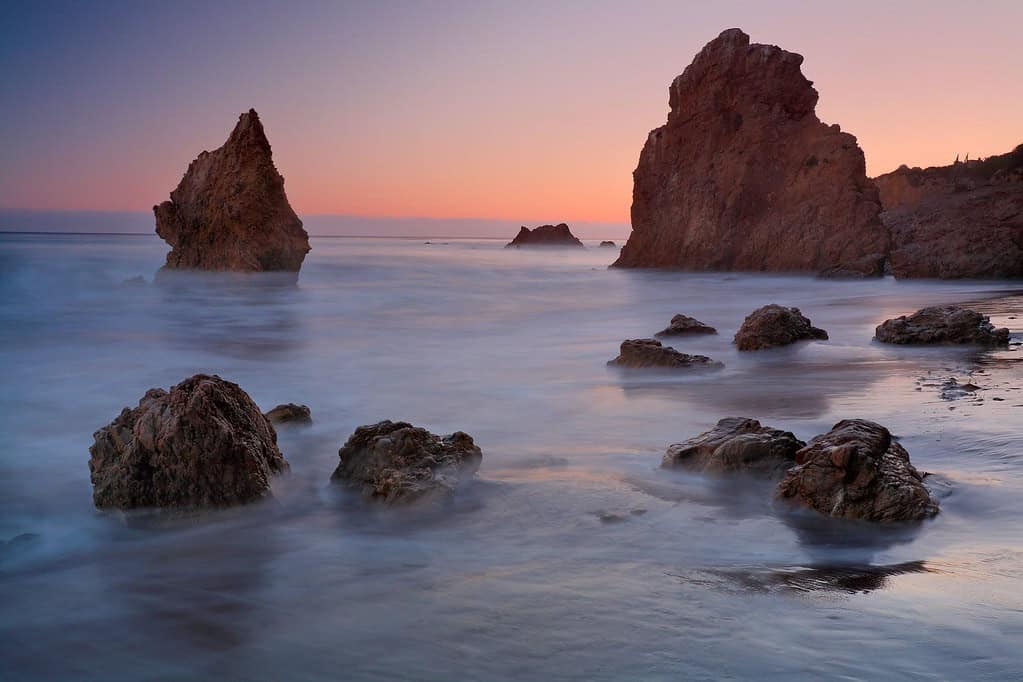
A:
744, 176
545, 235
230, 211
608, 244
958, 221
290, 413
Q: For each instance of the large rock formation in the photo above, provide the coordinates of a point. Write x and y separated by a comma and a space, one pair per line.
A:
963, 220
230, 212
398, 462
857, 471
942, 324
204, 443
736, 444
649, 353
545, 235
774, 325
744, 176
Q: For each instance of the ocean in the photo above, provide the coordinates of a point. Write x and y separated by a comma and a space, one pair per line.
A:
573, 556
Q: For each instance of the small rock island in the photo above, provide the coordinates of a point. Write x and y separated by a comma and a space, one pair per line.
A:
545, 235
230, 212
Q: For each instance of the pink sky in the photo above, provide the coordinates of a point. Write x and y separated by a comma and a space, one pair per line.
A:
521, 111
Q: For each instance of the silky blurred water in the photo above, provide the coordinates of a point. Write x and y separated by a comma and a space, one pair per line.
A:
573, 556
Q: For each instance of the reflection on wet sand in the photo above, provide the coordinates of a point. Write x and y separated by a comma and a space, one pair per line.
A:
838, 578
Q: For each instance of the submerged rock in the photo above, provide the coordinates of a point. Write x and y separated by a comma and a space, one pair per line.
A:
398, 462
736, 444
942, 324
608, 244
290, 413
744, 176
857, 471
204, 443
682, 325
230, 211
545, 235
648, 353
962, 220
774, 325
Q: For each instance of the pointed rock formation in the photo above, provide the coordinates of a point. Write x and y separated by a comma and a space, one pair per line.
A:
958, 221
230, 211
545, 235
744, 176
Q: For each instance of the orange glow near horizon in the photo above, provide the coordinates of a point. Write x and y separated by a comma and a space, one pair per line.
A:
535, 114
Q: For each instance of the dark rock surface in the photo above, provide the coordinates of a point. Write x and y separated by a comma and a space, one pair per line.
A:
857, 471
682, 325
204, 443
230, 211
736, 444
545, 235
398, 462
608, 244
942, 324
774, 325
744, 176
959, 221
290, 413
649, 353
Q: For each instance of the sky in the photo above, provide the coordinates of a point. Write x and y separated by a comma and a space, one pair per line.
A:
501, 111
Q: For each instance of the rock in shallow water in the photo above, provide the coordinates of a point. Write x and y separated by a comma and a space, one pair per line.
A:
204, 443
649, 353
398, 462
744, 176
857, 471
774, 325
230, 211
736, 444
682, 325
290, 413
942, 324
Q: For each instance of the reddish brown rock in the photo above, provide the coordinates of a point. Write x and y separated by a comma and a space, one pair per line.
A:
545, 235
204, 443
775, 325
736, 444
744, 176
857, 471
958, 221
649, 353
942, 324
230, 211
397, 462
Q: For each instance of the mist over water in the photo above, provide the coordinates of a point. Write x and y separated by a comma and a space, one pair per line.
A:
573, 556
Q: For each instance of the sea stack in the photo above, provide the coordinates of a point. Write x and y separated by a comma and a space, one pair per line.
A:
230, 212
744, 176
959, 221
544, 235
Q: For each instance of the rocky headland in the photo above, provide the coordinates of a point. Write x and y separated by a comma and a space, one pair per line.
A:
230, 212
744, 176
959, 221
